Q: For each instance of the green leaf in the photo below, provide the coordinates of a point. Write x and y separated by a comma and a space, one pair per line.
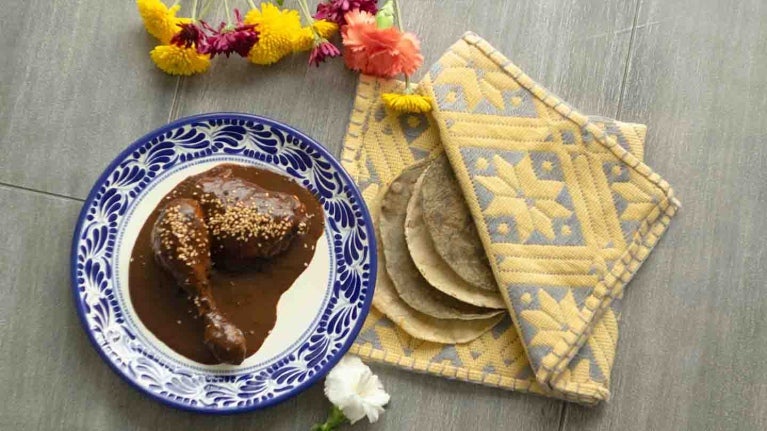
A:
385, 16
279, 2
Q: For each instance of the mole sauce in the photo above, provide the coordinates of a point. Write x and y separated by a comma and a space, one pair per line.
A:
248, 298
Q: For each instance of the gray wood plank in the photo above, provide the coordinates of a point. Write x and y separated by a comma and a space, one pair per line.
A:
76, 87
691, 354
110, 94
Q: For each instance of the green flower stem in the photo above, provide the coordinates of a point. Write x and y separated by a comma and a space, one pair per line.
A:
194, 10
398, 13
335, 419
252, 4
308, 15
205, 8
228, 13
305, 11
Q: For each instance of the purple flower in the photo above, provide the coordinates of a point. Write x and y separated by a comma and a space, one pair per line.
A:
189, 35
229, 38
322, 51
334, 10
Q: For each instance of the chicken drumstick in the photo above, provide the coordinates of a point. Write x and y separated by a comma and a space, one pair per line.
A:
181, 245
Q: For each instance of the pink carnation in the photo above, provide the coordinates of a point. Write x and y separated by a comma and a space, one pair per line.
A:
379, 52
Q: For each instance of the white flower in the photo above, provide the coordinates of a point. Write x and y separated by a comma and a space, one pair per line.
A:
354, 389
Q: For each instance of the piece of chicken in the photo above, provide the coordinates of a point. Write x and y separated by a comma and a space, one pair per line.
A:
247, 222
181, 244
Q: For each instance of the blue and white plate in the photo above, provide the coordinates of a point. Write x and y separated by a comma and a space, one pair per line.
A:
317, 318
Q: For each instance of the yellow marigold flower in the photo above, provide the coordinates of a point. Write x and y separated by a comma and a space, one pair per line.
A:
406, 102
325, 28
178, 60
159, 20
305, 39
277, 31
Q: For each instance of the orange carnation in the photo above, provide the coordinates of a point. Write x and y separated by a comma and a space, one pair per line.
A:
379, 52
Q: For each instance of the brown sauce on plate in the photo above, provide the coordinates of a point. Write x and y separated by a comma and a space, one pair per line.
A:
248, 298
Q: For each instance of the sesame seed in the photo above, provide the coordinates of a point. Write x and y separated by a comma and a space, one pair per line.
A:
251, 219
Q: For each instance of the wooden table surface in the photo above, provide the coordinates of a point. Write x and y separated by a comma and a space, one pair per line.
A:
77, 86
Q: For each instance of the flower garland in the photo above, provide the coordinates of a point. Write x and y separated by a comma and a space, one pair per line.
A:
372, 39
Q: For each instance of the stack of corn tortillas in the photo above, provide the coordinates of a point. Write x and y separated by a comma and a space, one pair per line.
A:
434, 279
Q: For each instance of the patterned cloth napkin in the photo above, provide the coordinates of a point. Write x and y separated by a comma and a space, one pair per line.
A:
566, 210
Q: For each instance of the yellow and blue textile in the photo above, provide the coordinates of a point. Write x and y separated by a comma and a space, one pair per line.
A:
565, 207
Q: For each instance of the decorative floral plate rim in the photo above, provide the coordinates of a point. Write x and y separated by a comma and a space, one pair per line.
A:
347, 219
